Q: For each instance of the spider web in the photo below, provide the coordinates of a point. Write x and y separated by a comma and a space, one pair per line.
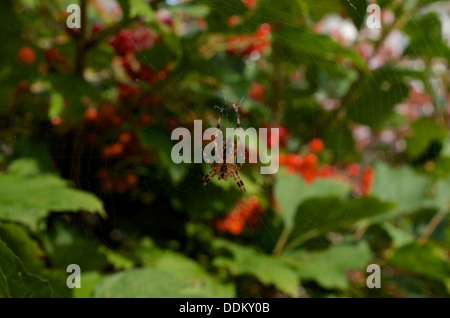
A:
170, 195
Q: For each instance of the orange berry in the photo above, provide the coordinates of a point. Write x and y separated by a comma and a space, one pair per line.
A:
90, 114
116, 149
294, 159
26, 55
125, 137
56, 120
311, 159
131, 179
233, 20
316, 145
367, 180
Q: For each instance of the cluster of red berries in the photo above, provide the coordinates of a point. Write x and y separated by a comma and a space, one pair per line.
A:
361, 178
131, 40
127, 144
245, 213
248, 44
105, 118
127, 42
119, 184
308, 167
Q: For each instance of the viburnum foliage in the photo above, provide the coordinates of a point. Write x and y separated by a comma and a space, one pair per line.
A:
86, 169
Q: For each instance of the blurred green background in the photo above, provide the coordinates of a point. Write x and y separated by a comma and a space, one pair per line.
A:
86, 175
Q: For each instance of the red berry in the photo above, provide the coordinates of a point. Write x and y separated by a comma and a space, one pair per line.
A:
249, 3
233, 20
97, 27
53, 55
257, 92
316, 145
294, 160
354, 169
310, 159
263, 30
27, 55
367, 180
90, 114
56, 120
125, 137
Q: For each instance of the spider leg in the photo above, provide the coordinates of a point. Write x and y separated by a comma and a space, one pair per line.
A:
238, 180
207, 178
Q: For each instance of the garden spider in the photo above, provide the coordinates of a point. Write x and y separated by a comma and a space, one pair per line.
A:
228, 168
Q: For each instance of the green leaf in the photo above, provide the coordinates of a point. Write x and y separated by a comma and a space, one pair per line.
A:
152, 282
28, 199
23, 246
192, 9
72, 88
402, 186
141, 8
328, 267
356, 10
377, 95
318, 215
424, 260
307, 42
269, 270
70, 245
399, 236
185, 269
291, 190
140, 283
116, 259
15, 281
423, 132
442, 195
89, 281
425, 33
56, 104
161, 143
202, 284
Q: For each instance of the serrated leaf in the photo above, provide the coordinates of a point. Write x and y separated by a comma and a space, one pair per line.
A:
423, 260
269, 270
15, 281
28, 199
70, 245
402, 186
317, 215
426, 37
185, 269
140, 283
312, 44
291, 190
328, 267
423, 132
23, 246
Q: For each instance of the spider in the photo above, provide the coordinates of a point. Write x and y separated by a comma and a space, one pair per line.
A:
227, 168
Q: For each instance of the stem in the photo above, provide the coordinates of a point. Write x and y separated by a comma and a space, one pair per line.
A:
281, 241
434, 222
